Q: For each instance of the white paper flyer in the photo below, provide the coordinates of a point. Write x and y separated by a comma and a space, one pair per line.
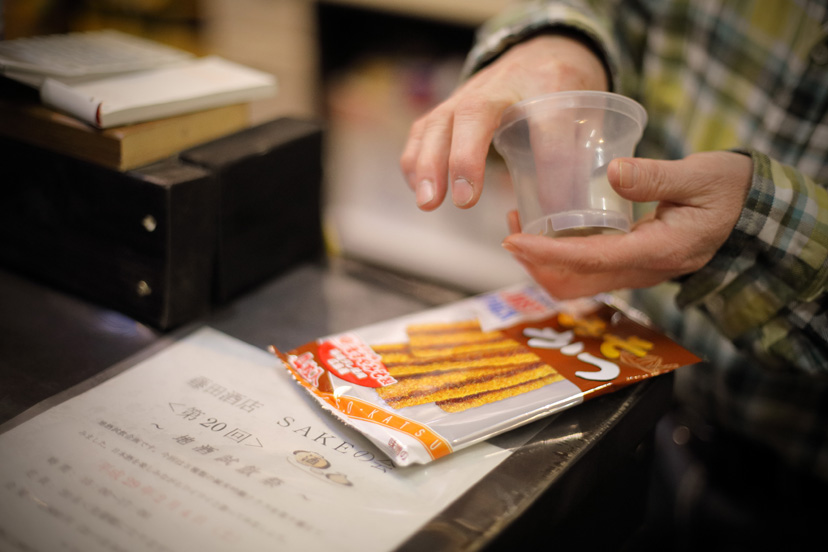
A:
205, 446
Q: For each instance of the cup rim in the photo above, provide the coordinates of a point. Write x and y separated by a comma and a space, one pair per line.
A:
575, 99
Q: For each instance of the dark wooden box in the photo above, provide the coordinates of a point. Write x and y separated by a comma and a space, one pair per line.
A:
141, 242
269, 201
166, 242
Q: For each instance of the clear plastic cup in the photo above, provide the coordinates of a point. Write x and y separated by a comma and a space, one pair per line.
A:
557, 148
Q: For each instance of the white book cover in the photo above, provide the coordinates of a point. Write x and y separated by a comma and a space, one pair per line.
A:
130, 98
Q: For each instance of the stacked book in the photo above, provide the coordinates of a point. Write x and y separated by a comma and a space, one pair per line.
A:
119, 100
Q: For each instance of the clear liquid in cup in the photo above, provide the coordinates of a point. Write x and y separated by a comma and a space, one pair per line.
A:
580, 223
601, 211
582, 232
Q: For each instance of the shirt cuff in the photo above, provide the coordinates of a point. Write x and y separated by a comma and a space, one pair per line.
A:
776, 255
526, 21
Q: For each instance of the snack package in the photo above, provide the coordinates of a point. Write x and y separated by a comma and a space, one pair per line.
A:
427, 384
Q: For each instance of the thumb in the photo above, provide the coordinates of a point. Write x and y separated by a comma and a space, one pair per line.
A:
644, 180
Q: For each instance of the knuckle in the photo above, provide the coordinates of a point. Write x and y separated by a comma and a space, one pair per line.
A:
436, 120
657, 173
472, 108
433, 123
408, 162
465, 160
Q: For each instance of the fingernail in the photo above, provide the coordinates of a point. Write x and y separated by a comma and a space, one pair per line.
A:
511, 248
461, 192
627, 174
425, 192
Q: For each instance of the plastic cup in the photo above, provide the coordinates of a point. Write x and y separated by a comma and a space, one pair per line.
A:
557, 148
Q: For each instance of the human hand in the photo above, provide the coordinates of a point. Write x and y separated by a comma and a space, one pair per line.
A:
451, 142
699, 200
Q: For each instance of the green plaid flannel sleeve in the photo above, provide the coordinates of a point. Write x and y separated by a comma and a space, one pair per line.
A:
528, 18
767, 287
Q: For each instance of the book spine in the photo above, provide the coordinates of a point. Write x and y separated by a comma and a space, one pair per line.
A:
64, 98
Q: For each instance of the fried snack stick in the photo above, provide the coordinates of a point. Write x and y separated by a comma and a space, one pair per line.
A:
408, 365
470, 325
452, 360
458, 344
440, 386
472, 401
392, 352
447, 338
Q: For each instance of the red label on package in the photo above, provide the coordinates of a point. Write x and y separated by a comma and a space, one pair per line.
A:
307, 368
350, 359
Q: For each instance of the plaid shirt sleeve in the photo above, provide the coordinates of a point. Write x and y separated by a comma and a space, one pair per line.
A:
767, 287
529, 18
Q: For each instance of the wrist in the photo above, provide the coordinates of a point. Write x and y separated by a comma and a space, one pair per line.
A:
563, 56
583, 48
